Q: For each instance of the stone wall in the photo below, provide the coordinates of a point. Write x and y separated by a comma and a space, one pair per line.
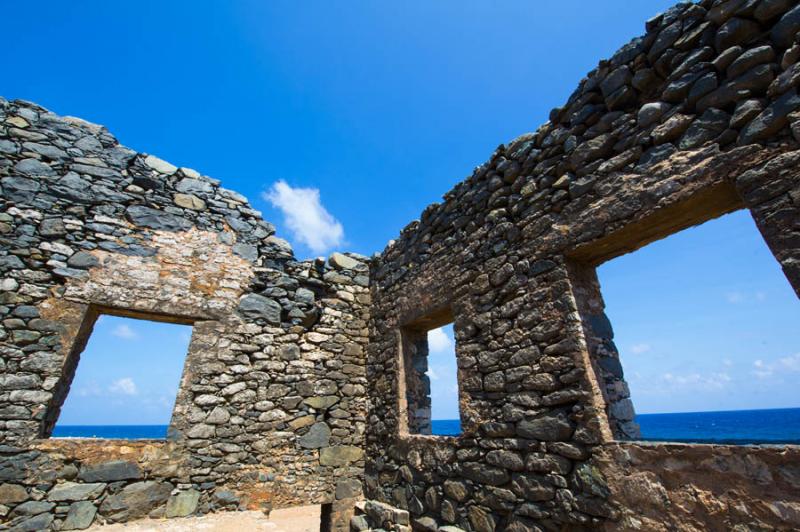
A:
697, 118
271, 408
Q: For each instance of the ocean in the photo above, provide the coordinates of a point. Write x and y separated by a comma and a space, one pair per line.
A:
739, 427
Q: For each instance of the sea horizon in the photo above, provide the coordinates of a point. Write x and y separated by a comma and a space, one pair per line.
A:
737, 427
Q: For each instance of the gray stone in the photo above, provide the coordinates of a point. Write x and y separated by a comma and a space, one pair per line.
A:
321, 402
11, 494
484, 474
182, 504
259, 307
706, 128
160, 166
317, 436
52, 227
769, 9
650, 113
11, 262
533, 488
745, 112
34, 168
749, 59
155, 219
218, 416
135, 500
110, 471
772, 119
343, 262
225, 498
340, 455
189, 201
736, 31
80, 516
546, 428
188, 185
73, 491
349, 488
359, 523
38, 522
246, 251
783, 33
19, 189
425, 524
83, 260
33, 508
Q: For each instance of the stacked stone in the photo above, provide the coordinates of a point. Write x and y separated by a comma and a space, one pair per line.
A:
271, 410
696, 112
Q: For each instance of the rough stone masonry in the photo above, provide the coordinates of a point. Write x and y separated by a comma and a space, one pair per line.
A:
304, 380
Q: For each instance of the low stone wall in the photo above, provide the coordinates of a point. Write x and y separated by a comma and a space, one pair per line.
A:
271, 407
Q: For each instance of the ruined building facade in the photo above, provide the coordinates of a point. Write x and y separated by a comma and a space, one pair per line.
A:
305, 381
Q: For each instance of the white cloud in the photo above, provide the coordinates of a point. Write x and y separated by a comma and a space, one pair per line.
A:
764, 370
305, 216
438, 341
91, 389
638, 349
125, 332
734, 297
432, 375
124, 386
697, 381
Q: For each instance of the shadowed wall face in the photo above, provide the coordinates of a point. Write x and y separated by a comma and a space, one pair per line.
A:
694, 120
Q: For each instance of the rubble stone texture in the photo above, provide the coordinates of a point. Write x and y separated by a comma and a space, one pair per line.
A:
697, 118
271, 409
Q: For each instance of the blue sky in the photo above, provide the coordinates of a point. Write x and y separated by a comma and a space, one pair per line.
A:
128, 374
342, 121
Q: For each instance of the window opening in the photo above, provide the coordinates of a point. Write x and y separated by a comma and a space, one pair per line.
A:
430, 391
126, 380
705, 325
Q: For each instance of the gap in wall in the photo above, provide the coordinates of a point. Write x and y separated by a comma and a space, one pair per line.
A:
126, 380
705, 321
443, 375
429, 399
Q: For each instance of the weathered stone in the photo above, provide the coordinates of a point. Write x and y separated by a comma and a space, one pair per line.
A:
38, 522
73, 491
135, 500
317, 436
183, 504
546, 428
784, 32
260, 307
189, 201
80, 516
160, 166
348, 489
343, 262
340, 455
11, 494
772, 119
33, 508
82, 260
155, 219
484, 474
110, 471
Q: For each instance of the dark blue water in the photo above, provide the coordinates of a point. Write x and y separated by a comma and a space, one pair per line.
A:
733, 427
738, 427
112, 432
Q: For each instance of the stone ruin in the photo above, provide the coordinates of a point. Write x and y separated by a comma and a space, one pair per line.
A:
304, 382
